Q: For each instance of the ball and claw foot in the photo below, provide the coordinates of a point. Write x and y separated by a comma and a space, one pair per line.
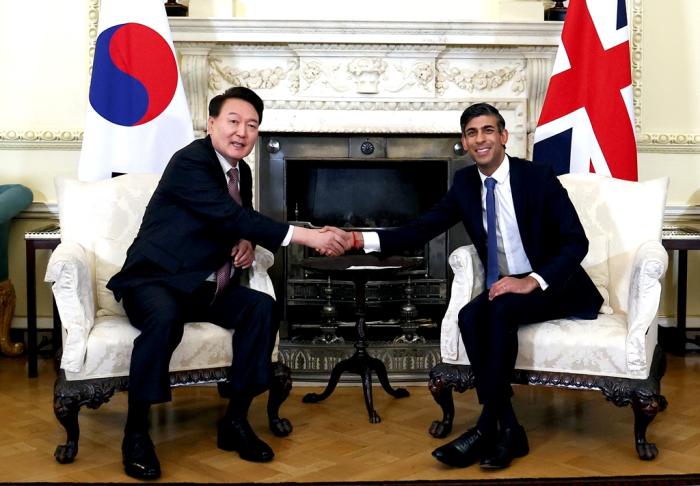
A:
281, 427
647, 450
440, 429
66, 453
311, 398
374, 417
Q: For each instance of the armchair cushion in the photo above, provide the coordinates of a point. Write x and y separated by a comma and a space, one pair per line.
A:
111, 342
110, 255
596, 266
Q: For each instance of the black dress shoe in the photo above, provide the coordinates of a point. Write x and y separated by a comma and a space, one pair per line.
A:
139, 457
464, 450
236, 435
511, 443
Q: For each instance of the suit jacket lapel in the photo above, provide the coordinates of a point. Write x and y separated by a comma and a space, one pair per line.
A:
475, 210
519, 190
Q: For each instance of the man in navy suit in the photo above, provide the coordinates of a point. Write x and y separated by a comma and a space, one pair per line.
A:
199, 228
531, 242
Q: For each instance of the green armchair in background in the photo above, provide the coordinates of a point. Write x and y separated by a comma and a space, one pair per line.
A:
13, 199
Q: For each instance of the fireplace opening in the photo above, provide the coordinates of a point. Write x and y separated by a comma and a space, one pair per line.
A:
363, 194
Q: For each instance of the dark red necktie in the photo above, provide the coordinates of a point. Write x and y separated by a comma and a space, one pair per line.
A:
223, 275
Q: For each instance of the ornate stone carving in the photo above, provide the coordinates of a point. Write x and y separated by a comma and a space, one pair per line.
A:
421, 73
367, 71
378, 48
636, 44
312, 71
254, 79
93, 16
41, 139
194, 70
480, 80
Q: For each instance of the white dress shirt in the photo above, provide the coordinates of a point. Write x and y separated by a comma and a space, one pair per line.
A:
225, 166
512, 259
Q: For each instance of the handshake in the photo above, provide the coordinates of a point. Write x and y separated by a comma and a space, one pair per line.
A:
329, 241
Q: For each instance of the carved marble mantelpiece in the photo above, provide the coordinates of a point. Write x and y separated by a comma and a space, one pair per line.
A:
371, 77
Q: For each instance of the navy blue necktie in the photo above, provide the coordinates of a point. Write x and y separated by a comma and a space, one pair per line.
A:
491, 244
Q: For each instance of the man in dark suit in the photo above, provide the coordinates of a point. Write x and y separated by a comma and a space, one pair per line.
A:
199, 228
531, 242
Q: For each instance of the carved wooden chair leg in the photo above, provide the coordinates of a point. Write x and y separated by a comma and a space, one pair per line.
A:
645, 410
69, 397
444, 378
66, 410
280, 388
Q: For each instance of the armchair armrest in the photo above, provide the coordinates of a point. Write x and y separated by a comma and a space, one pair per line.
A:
69, 272
13, 199
467, 284
258, 279
649, 266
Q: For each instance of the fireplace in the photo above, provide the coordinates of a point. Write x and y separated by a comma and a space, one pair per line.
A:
369, 182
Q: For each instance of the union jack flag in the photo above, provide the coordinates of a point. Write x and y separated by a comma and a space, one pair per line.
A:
587, 121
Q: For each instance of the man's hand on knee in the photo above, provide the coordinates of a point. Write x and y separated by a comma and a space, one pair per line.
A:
511, 285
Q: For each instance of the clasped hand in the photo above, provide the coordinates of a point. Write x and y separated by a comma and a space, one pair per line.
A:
333, 241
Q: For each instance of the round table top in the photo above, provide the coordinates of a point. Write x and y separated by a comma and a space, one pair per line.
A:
368, 265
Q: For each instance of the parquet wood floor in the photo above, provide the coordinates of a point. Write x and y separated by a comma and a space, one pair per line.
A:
572, 434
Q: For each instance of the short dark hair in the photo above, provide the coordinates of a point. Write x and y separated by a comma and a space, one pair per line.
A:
481, 109
238, 93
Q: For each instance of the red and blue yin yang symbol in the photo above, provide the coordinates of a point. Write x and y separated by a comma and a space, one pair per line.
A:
134, 75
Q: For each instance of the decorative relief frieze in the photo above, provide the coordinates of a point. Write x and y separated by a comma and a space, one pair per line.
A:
367, 71
93, 16
421, 73
255, 78
636, 41
41, 139
383, 48
480, 80
368, 105
312, 71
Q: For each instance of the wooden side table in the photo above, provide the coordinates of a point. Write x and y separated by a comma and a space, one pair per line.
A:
44, 238
682, 239
360, 269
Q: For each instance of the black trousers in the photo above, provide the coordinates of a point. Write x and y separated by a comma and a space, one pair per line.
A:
160, 313
489, 330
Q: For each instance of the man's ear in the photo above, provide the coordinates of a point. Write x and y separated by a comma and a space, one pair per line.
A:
504, 137
210, 123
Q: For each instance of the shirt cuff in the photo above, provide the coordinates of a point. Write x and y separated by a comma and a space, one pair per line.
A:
371, 241
543, 284
288, 238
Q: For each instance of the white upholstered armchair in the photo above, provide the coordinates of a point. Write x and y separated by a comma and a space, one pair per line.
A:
99, 220
617, 353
